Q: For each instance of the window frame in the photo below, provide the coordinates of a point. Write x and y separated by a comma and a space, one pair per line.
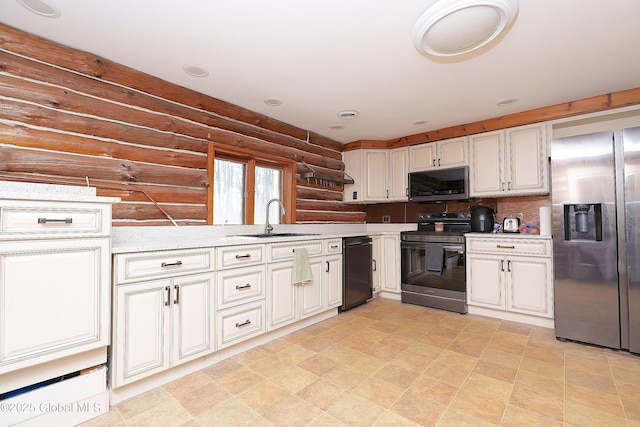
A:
253, 159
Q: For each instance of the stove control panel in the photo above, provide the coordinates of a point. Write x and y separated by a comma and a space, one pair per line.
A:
444, 216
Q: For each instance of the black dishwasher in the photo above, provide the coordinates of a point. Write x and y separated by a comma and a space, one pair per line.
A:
357, 271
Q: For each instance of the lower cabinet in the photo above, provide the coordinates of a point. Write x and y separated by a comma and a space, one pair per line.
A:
498, 279
290, 302
161, 323
386, 263
333, 273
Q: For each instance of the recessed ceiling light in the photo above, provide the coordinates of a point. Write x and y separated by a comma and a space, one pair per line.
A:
456, 27
420, 122
273, 102
195, 71
506, 102
40, 7
336, 127
348, 114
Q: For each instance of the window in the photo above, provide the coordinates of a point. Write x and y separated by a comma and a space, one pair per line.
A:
244, 183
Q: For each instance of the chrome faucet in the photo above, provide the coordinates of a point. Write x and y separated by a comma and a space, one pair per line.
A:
268, 227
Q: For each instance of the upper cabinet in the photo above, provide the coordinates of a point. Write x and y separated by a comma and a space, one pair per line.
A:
509, 162
440, 154
379, 175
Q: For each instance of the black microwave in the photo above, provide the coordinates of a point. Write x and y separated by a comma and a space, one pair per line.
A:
439, 185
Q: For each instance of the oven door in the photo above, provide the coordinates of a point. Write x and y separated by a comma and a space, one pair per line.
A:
420, 265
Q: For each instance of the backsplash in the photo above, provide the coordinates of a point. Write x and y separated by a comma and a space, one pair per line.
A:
407, 212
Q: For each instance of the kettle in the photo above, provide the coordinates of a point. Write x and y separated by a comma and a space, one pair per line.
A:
482, 219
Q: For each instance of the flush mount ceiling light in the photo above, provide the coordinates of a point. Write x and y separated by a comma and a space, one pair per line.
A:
506, 102
336, 127
348, 114
272, 102
39, 7
195, 71
456, 27
419, 122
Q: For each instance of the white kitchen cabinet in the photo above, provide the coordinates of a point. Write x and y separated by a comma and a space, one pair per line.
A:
379, 175
333, 273
54, 281
386, 264
440, 154
513, 275
165, 320
509, 162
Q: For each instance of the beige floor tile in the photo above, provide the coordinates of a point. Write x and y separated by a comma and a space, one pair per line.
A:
453, 417
541, 383
238, 381
578, 415
391, 419
412, 362
488, 387
326, 420
322, 394
112, 418
591, 380
594, 398
397, 375
264, 395
294, 379
382, 351
231, 413
469, 344
452, 374
397, 341
187, 383
425, 351
515, 327
479, 405
269, 366
483, 326
345, 377
222, 368
251, 356
355, 410
434, 389
316, 344
514, 416
292, 411
552, 370
418, 409
385, 326
168, 414
380, 392
496, 370
509, 360
439, 336
540, 403
508, 342
318, 364
142, 402
199, 400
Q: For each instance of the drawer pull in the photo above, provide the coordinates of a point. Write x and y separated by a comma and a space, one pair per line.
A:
46, 220
505, 247
243, 256
248, 285
171, 264
335, 246
246, 322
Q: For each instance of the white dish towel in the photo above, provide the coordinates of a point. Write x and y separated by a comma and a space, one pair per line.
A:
301, 268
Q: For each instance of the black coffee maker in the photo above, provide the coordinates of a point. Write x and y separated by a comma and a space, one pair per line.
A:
482, 219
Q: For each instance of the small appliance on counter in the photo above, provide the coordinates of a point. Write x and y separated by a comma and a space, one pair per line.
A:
511, 225
482, 219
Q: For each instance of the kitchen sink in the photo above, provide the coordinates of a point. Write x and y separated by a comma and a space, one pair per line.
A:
261, 235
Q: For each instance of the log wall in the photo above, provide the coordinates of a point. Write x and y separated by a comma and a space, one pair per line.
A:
68, 116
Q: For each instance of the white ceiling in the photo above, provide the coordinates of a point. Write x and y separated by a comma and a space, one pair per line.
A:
321, 57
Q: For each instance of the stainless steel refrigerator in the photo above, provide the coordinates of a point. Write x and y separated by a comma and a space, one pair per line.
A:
596, 240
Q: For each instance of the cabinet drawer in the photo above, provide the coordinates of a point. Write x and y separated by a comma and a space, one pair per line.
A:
240, 323
334, 246
285, 251
31, 219
510, 246
236, 256
240, 285
145, 265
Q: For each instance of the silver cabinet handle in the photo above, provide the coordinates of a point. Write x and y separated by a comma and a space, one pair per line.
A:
509, 266
245, 323
505, 247
434, 162
335, 246
46, 220
177, 299
243, 256
247, 286
509, 185
501, 265
327, 270
375, 265
170, 264
502, 185
438, 162
168, 291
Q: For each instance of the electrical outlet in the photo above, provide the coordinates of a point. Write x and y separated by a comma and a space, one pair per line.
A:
386, 219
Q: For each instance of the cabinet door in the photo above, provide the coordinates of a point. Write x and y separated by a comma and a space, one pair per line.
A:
391, 263
375, 167
530, 286
142, 330
397, 179
376, 250
192, 303
527, 157
281, 294
453, 152
486, 170
354, 167
333, 271
422, 157
310, 293
54, 300
485, 280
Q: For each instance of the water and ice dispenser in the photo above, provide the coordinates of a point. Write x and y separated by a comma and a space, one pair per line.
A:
583, 222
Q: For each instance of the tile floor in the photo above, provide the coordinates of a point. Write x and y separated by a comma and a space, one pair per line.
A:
392, 364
